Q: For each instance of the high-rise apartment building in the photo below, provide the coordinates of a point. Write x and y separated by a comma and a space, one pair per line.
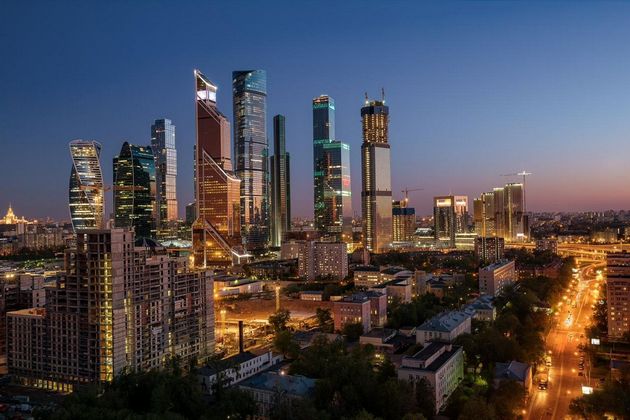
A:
135, 190
86, 199
618, 293
450, 217
484, 215
122, 304
332, 194
403, 221
217, 230
280, 183
165, 154
249, 92
500, 213
494, 277
489, 249
376, 185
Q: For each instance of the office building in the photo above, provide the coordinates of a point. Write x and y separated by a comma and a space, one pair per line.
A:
494, 277
122, 304
86, 198
376, 185
489, 249
249, 94
450, 217
403, 221
217, 229
484, 215
191, 213
441, 365
618, 293
280, 184
135, 190
332, 194
320, 259
165, 155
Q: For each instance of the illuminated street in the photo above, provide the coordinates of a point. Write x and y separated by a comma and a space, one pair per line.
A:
565, 376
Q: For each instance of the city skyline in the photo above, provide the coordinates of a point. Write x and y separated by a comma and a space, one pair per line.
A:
560, 125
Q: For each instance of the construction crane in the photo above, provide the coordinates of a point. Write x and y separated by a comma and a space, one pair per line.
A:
407, 190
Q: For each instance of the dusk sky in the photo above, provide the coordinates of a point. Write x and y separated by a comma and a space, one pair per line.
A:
475, 89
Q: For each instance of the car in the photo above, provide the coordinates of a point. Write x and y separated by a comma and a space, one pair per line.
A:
581, 367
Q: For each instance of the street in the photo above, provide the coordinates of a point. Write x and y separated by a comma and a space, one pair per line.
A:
565, 379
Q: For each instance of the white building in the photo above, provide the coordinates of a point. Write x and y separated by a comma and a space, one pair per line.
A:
235, 369
493, 278
444, 327
225, 285
440, 364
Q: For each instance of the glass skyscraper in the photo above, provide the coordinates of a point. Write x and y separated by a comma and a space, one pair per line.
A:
332, 196
86, 198
135, 190
165, 155
376, 192
249, 90
280, 183
216, 232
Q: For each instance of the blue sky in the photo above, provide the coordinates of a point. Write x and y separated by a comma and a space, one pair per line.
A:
475, 89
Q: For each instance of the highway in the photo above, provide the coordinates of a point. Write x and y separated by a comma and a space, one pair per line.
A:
574, 313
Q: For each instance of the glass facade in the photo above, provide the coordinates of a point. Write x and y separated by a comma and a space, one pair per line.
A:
165, 155
280, 183
216, 231
376, 192
249, 90
135, 190
332, 196
85, 192
450, 217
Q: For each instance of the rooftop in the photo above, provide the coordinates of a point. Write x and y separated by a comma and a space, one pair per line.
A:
446, 351
512, 370
496, 265
272, 381
445, 321
227, 363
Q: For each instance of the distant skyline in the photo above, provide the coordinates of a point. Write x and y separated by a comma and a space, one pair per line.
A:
475, 90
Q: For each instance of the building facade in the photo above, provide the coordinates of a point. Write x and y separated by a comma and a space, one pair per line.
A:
618, 293
86, 193
280, 184
249, 94
165, 155
135, 190
376, 184
403, 221
450, 217
320, 259
217, 229
489, 249
332, 194
494, 277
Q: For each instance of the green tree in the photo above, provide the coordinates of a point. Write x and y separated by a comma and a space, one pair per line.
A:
283, 343
508, 399
477, 408
280, 319
352, 331
324, 319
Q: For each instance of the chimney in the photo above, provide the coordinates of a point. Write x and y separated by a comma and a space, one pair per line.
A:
241, 341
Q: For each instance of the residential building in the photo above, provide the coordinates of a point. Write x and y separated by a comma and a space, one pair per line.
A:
376, 185
332, 193
482, 308
494, 277
378, 308
270, 388
403, 221
547, 244
450, 217
135, 190
444, 327
318, 259
514, 371
618, 293
366, 276
280, 184
86, 194
165, 155
484, 215
489, 249
397, 290
251, 152
384, 340
441, 365
217, 229
352, 309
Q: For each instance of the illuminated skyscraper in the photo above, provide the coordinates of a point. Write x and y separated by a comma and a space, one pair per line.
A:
514, 219
135, 190
484, 215
332, 196
450, 216
216, 232
163, 147
249, 91
280, 183
403, 221
86, 198
376, 192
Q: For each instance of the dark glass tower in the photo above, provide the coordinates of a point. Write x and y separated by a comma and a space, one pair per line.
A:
163, 147
249, 90
135, 190
280, 184
331, 174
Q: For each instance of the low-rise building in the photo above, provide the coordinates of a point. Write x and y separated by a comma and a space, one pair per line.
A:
482, 308
267, 387
547, 244
226, 285
235, 369
514, 371
366, 276
384, 340
494, 277
444, 327
367, 308
312, 295
440, 364
400, 290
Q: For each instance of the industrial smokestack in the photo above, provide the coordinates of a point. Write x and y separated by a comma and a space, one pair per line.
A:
241, 339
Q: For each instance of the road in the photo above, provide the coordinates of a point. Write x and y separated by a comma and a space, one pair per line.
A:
562, 345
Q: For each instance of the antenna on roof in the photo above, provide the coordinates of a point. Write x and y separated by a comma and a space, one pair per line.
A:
383, 94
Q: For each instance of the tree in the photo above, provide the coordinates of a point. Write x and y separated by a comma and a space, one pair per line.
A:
475, 408
324, 319
279, 319
507, 399
283, 342
352, 331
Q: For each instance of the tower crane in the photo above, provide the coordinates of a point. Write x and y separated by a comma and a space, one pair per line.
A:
407, 190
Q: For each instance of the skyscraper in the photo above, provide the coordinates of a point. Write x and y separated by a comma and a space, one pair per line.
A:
86, 199
216, 232
376, 192
484, 215
450, 216
165, 154
249, 91
403, 221
135, 190
280, 183
332, 195
500, 213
